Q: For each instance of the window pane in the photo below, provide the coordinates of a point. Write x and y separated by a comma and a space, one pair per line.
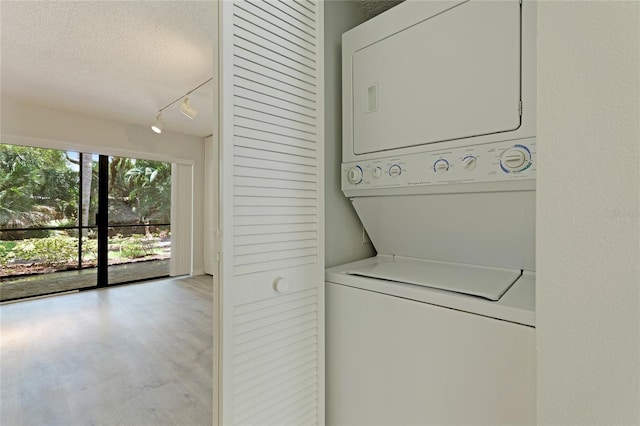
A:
138, 252
38, 187
139, 191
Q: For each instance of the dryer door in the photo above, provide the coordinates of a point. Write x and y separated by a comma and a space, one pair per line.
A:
453, 75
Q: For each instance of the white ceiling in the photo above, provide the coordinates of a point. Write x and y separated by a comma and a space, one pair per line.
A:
119, 60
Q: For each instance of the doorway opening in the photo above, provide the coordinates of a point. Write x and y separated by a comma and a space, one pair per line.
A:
72, 220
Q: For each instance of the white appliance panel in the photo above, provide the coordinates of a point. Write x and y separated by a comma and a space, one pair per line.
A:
493, 228
508, 163
393, 361
451, 76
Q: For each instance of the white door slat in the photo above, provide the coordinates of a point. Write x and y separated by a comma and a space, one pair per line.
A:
268, 146
305, 414
251, 259
274, 174
264, 46
274, 229
280, 118
289, 310
249, 102
257, 345
306, 404
267, 76
247, 312
250, 23
245, 374
249, 240
247, 379
292, 13
276, 246
264, 92
247, 23
281, 406
267, 386
275, 391
282, 123
274, 220
274, 266
274, 82
257, 338
260, 100
306, 12
261, 62
274, 165
275, 183
244, 191
259, 364
275, 402
299, 373
250, 131
248, 13
309, 6
274, 211
280, 202
263, 154
273, 59
303, 339
265, 126
283, 20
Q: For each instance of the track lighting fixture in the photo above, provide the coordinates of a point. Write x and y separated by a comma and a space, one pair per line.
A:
157, 126
185, 108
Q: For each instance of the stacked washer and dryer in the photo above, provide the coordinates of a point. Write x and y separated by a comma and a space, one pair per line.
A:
439, 161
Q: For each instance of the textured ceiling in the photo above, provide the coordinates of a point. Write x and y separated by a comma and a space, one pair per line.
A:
119, 60
116, 60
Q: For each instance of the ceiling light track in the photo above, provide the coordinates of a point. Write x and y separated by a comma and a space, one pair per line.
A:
185, 108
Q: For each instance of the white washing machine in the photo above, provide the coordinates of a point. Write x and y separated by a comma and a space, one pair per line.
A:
439, 161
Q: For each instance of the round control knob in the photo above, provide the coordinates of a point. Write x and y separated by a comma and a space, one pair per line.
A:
377, 172
469, 162
354, 176
395, 170
515, 159
441, 166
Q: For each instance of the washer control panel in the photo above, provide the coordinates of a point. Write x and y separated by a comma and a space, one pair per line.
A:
493, 162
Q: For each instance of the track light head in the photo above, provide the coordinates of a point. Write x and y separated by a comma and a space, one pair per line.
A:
187, 109
159, 124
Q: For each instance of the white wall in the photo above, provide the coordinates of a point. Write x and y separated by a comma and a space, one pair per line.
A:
49, 128
588, 215
343, 230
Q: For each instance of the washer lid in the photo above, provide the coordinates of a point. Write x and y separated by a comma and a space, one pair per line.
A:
482, 281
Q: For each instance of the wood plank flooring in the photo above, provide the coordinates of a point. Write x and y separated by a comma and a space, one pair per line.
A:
137, 355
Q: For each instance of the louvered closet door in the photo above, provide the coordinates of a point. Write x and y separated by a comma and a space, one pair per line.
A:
272, 331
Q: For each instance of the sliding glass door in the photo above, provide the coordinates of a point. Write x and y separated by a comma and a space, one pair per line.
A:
138, 229
72, 220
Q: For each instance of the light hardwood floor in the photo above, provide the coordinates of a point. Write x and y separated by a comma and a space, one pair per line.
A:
137, 355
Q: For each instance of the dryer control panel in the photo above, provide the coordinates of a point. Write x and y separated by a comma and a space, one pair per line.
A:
505, 161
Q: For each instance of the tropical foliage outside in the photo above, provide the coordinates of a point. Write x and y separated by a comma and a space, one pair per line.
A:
40, 188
